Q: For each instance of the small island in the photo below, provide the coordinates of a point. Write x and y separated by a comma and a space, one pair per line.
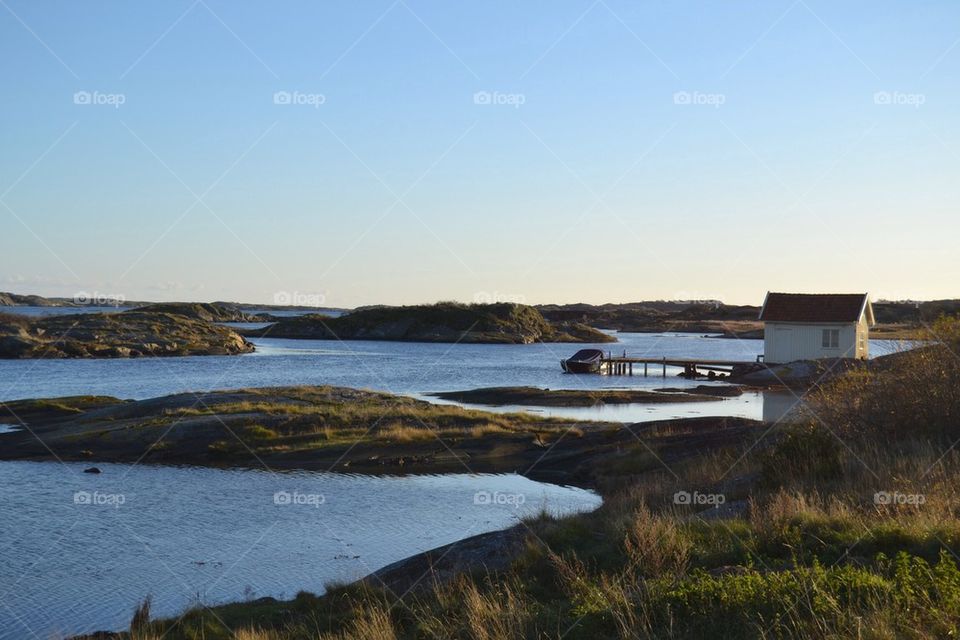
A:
130, 334
205, 311
451, 322
323, 428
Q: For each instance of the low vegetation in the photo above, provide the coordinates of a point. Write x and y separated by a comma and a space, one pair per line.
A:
206, 311
441, 322
129, 334
703, 316
327, 428
840, 525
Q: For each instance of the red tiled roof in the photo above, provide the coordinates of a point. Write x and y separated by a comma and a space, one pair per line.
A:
813, 307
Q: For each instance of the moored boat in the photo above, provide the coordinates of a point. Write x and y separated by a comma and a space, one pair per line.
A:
583, 361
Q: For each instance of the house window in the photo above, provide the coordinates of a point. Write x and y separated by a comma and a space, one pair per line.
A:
831, 339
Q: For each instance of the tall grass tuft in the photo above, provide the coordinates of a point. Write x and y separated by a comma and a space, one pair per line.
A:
374, 623
140, 622
656, 545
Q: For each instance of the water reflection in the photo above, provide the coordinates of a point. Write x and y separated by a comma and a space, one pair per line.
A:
781, 405
78, 550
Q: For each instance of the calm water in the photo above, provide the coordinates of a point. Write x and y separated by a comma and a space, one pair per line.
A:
59, 311
407, 368
77, 550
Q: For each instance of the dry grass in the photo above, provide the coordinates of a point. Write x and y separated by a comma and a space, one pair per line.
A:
301, 419
399, 432
656, 545
852, 478
481, 430
497, 615
914, 395
374, 623
255, 634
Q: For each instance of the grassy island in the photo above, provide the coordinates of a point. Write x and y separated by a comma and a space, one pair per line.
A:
442, 322
129, 334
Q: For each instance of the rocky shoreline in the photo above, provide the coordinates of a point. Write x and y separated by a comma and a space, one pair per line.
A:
442, 322
322, 428
536, 397
492, 323
206, 311
130, 334
81, 301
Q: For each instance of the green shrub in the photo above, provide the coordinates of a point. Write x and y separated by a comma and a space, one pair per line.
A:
804, 452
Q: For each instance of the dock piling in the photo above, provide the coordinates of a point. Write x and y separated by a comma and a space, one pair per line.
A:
623, 365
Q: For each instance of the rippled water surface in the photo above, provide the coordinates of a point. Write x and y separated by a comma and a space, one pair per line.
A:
399, 367
78, 550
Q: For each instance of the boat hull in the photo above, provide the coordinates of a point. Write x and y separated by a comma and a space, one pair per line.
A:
584, 361
580, 367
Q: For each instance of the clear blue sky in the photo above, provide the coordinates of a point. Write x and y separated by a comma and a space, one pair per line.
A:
622, 150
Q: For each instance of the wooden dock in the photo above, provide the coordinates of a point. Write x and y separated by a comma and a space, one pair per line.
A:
623, 365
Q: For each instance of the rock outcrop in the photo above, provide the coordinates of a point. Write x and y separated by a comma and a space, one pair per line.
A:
536, 397
363, 432
20, 300
443, 322
117, 335
206, 311
800, 374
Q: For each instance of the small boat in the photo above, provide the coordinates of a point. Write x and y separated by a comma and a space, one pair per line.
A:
583, 361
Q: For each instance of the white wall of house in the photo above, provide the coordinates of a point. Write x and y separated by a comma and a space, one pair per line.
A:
789, 341
863, 338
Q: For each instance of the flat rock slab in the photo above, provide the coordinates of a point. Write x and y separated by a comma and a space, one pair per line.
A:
534, 396
707, 390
